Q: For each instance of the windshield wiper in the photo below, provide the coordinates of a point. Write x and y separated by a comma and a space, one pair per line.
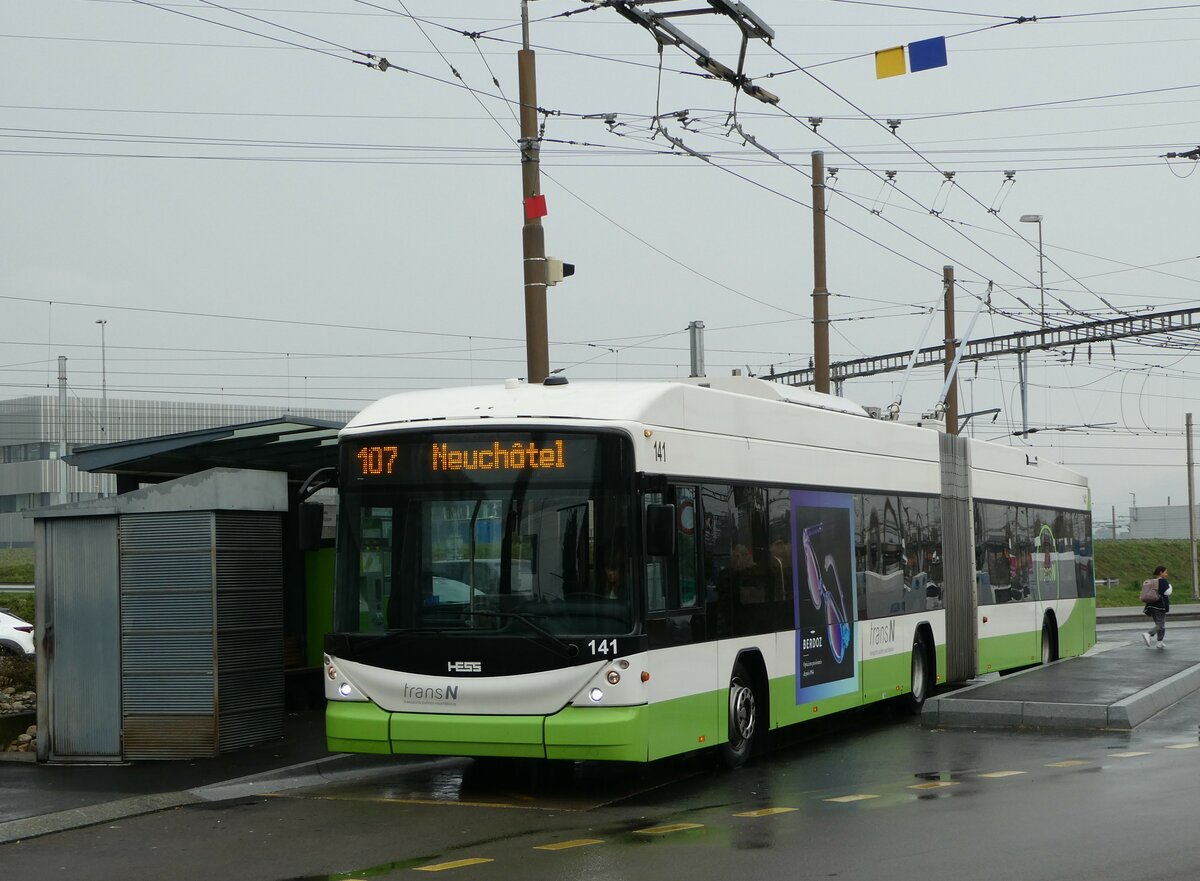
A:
568, 650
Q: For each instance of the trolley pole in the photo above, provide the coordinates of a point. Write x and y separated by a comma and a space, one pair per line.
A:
820, 291
951, 348
533, 241
1191, 485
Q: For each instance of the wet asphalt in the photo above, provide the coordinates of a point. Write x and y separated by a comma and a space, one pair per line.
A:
868, 795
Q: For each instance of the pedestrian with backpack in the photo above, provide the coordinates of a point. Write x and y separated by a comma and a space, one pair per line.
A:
1156, 594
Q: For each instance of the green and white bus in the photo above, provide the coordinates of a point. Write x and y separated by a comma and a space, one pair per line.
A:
628, 571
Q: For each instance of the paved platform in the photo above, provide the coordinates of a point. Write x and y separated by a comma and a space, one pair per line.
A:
1117, 688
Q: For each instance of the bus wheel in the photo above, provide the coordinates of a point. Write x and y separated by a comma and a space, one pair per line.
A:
743, 718
921, 673
1049, 649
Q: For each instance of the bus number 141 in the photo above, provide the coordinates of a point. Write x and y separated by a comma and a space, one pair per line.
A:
603, 647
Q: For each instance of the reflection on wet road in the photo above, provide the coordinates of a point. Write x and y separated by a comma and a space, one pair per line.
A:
862, 773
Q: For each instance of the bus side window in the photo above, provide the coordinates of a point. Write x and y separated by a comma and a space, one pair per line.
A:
685, 546
656, 569
671, 583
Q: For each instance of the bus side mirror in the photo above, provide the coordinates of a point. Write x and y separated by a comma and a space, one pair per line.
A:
660, 530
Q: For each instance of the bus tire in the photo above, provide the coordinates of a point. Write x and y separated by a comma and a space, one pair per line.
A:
1049, 642
743, 718
922, 673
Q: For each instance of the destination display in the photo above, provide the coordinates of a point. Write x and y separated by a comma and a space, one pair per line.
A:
499, 456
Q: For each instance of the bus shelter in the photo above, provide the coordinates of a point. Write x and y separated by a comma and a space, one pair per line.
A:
182, 616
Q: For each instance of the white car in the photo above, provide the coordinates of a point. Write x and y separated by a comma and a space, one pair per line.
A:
16, 636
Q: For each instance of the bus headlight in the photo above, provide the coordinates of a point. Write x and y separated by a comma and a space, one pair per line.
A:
596, 695
344, 689
613, 677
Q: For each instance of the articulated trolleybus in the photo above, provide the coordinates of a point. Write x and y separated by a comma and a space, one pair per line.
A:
637, 570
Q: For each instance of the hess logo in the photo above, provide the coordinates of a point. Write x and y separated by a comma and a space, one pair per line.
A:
464, 666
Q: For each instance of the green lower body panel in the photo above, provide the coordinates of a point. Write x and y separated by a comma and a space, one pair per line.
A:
356, 728
616, 734
445, 735
574, 733
785, 710
1078, 633
1009, 652
687, 723
889, 676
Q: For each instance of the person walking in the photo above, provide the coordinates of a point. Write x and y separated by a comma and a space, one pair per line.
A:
1158, 608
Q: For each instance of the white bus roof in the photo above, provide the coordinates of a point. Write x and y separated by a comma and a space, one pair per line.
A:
655, 403
732, 406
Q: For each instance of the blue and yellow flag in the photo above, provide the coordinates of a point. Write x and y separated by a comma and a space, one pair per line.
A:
922, 55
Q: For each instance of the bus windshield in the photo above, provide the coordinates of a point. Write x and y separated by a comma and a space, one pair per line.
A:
512, 532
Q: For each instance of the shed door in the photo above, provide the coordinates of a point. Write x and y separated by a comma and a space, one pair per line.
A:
84, 645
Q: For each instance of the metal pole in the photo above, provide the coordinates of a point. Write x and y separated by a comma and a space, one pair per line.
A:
1042, 274
696, 338
820, 291
63, 494
62, 406
1114, 522
948, 311
533, 240
1023, 374
103, 378
1191, 486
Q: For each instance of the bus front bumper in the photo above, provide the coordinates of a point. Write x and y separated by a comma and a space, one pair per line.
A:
573, 733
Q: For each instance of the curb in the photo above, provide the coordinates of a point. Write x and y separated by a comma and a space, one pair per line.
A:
1136, 709
61, 821
328, 769
1125, 715
312, 773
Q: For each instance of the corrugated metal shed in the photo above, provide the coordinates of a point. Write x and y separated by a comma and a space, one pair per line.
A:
188, 613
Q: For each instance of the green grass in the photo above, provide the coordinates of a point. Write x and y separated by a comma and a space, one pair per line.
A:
1133, 561
16, 565
20, 604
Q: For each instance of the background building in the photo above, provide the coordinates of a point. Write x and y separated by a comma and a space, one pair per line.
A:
36, 431
1161, 521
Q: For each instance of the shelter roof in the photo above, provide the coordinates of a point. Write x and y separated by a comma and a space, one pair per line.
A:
297, 445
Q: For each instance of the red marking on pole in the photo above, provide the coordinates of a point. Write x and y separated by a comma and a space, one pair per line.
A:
535, 206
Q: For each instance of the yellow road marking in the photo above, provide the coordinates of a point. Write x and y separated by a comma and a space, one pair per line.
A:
1183, 746
996, 774
935, 784
440, 802
845, 799
669, 828
456, 864
566, 845
1127, 755
766, 812
1069, 763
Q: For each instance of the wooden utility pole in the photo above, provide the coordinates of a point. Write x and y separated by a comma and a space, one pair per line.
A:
951, 348
533, 241
820, 291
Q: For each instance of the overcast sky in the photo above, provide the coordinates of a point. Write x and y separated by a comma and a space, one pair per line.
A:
260, 222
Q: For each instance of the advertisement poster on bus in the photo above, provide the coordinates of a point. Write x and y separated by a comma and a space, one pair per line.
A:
825, 610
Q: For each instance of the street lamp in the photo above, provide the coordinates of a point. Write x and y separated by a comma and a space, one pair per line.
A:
1037, 218
103, 376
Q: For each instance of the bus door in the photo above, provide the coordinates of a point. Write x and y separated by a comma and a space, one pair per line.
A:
683, 664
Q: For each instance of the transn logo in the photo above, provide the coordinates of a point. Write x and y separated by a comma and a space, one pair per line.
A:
465, 666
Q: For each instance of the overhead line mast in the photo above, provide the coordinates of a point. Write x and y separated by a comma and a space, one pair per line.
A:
1058, 337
